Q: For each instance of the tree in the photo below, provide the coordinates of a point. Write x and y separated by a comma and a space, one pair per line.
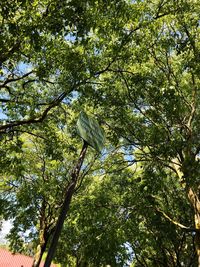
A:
49, 52
157, 88
120, 216
37, 210
136, 65
34, 194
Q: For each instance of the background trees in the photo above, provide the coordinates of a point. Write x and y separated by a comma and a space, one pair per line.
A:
134, 65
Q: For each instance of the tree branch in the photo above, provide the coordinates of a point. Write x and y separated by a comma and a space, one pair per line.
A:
185, 228
15, 79
53, 104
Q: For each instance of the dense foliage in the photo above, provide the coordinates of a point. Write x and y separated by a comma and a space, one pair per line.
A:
134, 66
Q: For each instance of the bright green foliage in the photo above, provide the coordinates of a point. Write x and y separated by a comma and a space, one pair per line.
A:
33, 184
156, 107
49, 51
135, 66
43, 172
116, 218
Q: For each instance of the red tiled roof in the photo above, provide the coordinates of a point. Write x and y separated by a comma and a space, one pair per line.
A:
7, 259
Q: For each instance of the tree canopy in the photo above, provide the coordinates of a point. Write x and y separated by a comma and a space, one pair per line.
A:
133, 66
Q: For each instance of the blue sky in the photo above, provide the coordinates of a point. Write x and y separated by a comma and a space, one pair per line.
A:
5, 230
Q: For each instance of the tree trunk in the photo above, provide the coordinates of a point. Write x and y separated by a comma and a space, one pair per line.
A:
43, 237
39, 254
65, 207
197, 237
195, 201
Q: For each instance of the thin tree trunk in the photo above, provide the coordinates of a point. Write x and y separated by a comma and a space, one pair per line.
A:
194, 200
68, 197
42, 237
197, 238
39, 254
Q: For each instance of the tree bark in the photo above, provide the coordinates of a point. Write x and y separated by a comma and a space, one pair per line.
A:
38, 256
68, 197
195, 201
43, 237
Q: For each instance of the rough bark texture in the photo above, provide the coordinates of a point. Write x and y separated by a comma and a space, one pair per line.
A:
195, 201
